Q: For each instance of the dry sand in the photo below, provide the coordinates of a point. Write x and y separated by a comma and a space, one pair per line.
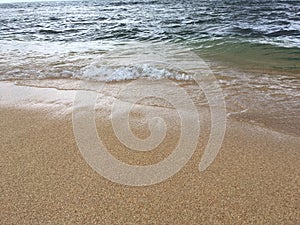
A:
45, 180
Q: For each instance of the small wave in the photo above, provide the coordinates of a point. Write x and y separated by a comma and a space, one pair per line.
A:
44, 31
122, 3
53, 18
284, 33
109, 74
249, 32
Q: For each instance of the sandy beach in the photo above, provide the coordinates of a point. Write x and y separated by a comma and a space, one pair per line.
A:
149, 112
45, 180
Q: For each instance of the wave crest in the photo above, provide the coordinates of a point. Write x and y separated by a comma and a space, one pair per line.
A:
123, 73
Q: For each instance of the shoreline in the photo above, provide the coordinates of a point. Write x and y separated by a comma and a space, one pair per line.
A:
150, 112
276, 110
45, 179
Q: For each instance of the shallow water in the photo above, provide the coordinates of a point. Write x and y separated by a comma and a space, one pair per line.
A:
251, 46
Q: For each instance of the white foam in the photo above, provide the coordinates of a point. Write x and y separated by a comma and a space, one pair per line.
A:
107, 74
43, 60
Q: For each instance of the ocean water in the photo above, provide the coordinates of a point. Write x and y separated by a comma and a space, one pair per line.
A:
259, 34
252, 46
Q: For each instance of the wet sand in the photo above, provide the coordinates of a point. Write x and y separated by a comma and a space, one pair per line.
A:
45, 180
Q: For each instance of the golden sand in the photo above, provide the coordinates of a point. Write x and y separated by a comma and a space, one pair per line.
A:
45, 180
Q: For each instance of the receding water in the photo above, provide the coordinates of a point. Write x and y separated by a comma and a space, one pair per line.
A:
252, 46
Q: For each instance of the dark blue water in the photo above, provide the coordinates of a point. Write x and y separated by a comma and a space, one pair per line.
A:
188, 20
261, 34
